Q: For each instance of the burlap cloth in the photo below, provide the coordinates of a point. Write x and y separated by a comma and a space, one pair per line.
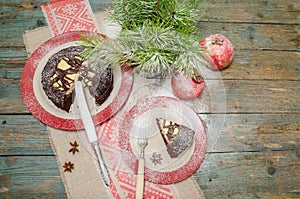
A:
84, 180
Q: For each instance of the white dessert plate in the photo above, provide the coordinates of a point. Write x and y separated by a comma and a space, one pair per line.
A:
43, 109
160, 168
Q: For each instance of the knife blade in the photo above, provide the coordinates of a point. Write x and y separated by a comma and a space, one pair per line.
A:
90, 129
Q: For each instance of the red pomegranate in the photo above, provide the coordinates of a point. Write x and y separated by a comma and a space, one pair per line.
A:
185, 87
219, 49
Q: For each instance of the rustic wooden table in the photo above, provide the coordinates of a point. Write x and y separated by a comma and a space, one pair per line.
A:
258, 152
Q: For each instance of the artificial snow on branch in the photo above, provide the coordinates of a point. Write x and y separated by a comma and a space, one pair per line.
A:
157, 38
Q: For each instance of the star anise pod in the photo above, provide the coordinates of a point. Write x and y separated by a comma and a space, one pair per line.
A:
74, 148
68, 167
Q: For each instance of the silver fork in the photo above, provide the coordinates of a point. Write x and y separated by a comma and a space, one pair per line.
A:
142, 142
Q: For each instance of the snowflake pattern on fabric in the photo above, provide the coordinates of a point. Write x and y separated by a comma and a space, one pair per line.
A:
69, 9
77, 27
69, 15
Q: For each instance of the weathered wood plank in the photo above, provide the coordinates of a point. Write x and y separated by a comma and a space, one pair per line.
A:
242, 96
262, 96
12, 31
30, 177
254, 132
13, 55
270, 174
243, 36
24, 135
11, 71
247, 64
256, 36
253, 64
247, 96
255, 11
10, 97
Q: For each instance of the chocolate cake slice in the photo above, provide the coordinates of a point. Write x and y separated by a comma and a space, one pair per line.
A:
99, 82
176, 137
63, 69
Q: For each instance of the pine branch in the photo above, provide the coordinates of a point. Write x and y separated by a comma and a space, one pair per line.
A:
149, 50
180, 15
156, 37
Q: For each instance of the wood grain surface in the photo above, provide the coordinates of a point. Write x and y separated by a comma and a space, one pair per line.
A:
257, 154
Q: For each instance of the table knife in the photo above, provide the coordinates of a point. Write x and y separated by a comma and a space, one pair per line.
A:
90, 130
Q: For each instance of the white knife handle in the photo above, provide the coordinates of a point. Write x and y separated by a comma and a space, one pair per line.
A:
139, 192
85, 113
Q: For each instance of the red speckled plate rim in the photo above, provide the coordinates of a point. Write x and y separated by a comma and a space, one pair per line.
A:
173, 176
29, 98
